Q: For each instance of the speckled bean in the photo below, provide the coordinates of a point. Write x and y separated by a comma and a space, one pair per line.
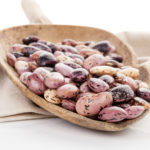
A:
134, 111
94, 60
67, 91
97, 85
35, 84
91, 104
22, 66
112, 114
65, 70
54, 80
68, 104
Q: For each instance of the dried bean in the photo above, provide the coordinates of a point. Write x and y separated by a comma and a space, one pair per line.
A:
68, 104
97, 85
67, 91
112, 114
54, 80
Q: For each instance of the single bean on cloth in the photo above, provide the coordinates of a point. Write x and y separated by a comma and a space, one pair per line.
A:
96, 84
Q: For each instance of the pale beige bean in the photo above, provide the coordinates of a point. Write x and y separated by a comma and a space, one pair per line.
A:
130, 71
51, 96
100, 70
62, 58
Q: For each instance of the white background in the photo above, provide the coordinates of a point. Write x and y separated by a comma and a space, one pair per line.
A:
115, 16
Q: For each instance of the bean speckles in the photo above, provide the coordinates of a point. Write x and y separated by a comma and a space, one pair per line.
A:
79, 75
134, 111
91, 104
54, 80
36, 84
97, 85
68, 104
144, 93
122, 93
67, 91
112, 114
87, 78
94, 60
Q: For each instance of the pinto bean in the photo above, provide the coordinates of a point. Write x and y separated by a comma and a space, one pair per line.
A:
134, 111
122, 93
24, 77
22, 66
65, 70
94, 60
67, 91
79, 75
35, 84
41, 46
29, 39
41, 72
11, 59
84, 87
68, 104
91, 104
144, 93
69, 42
51, 96
112, 114
54, 80
97, 85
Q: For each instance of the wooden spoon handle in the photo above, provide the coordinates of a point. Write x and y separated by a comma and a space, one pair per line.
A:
34, 13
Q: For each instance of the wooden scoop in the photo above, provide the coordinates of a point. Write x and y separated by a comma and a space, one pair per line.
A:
56, 33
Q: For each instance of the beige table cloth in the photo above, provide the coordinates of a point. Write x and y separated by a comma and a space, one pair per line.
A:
15, 106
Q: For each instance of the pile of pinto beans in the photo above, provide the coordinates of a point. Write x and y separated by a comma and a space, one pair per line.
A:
88, 78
